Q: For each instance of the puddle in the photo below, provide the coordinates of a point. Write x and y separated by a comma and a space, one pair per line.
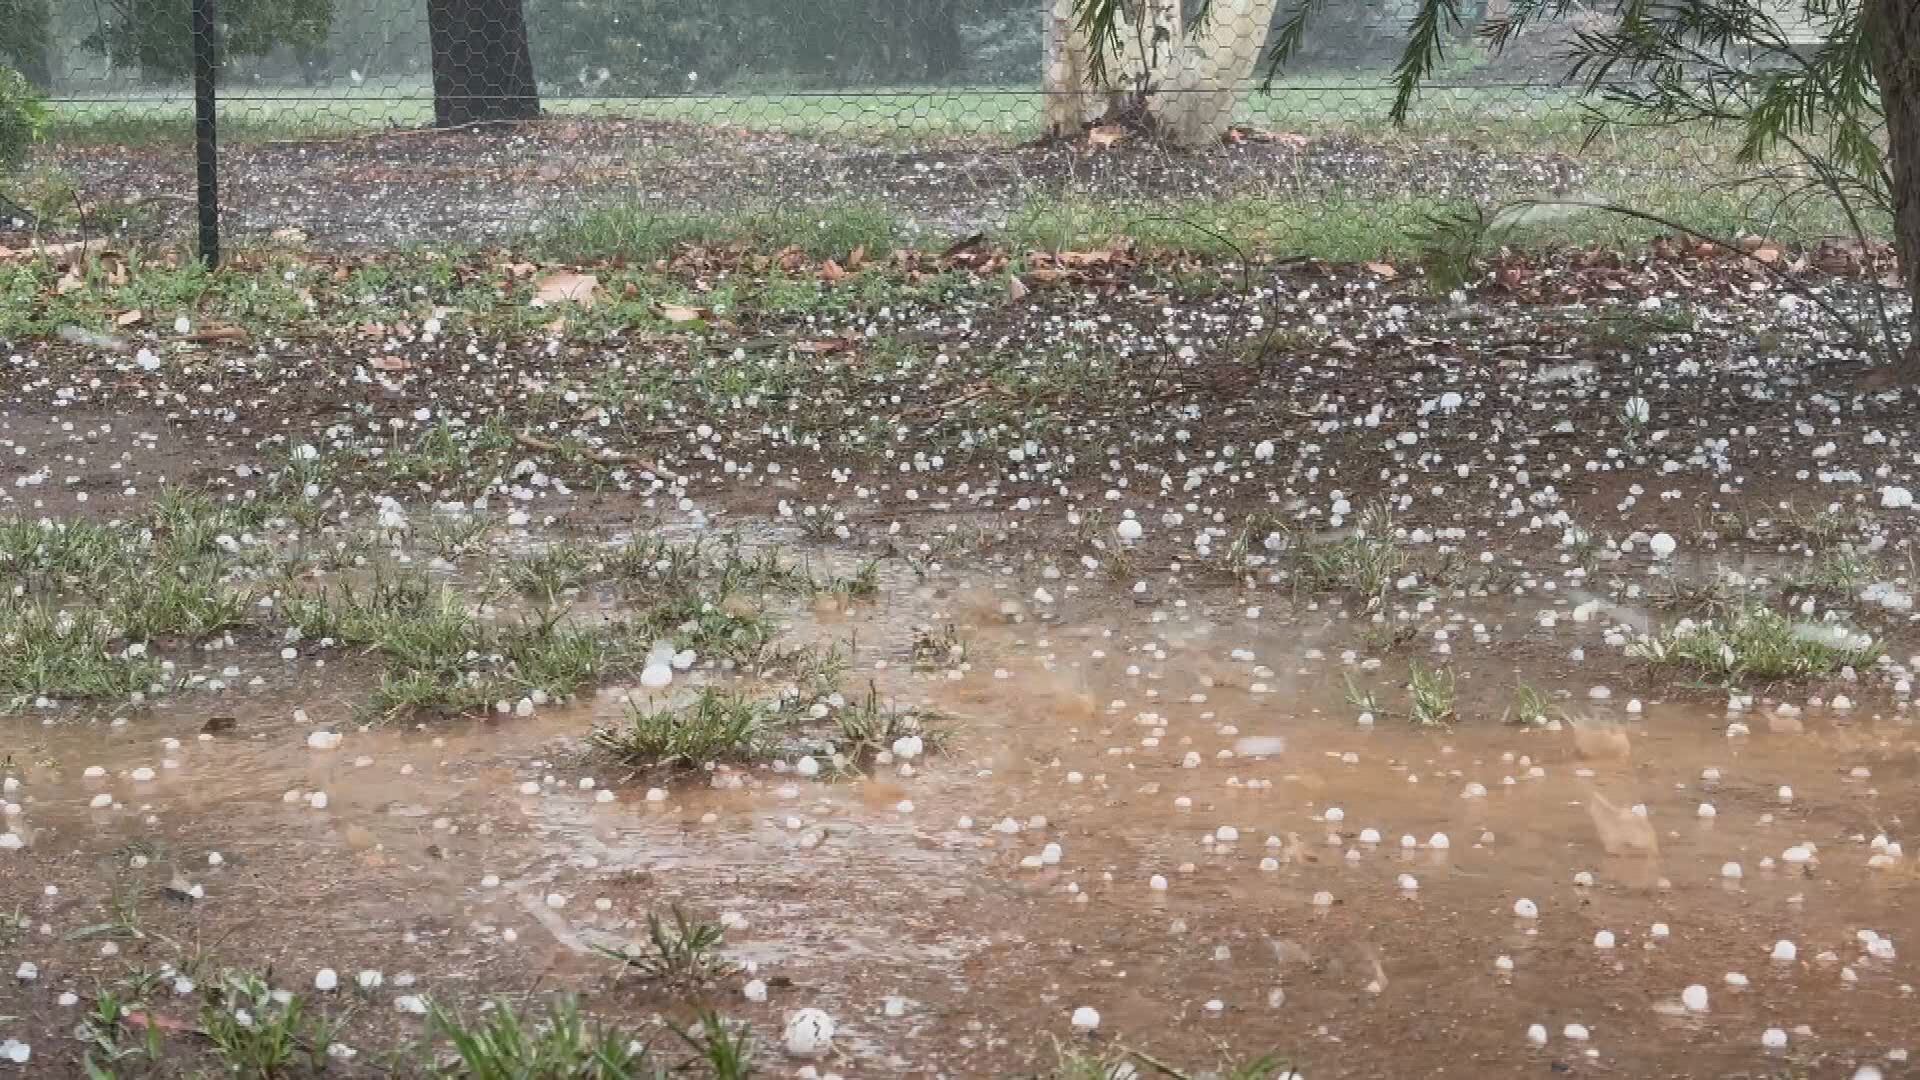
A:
1167, 812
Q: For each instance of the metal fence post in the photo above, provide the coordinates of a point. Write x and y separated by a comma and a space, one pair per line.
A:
206, 161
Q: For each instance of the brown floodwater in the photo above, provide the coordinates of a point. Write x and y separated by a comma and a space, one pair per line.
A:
1164, 810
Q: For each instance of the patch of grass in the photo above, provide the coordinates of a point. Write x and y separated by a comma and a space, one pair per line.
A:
190, 601
256, 1035
1835, 571
934, 649
1530, 707
562, 1045
1363, 563
59, 555
868, 727
685, 953
639, 233
717, 726
1756, 642
552, 571
1430, 695
47, 651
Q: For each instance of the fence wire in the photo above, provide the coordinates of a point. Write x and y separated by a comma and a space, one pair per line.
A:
396, 122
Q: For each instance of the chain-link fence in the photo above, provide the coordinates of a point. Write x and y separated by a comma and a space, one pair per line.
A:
394, 122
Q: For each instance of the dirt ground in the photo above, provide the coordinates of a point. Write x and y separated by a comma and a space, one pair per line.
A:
1308, 656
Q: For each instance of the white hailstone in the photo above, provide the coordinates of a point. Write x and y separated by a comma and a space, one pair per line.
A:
317, 800
1895, 498
1797, 854
1880, 948
1369, 836
1773, 1039
1129, 530
1524, 908
1474, 791
1439, 842
1157, 883
1537, 1034
147, 360
1661, 545
1694, 998
323, 740
1323, 898
411, 1003
1575, 1032
27, 971
755, 990
1335, 815
16, 1051
1660, 931
1706, 810
656, 795
1731, 871
1409, 883
908, 747
1867, 1072
1584, 879
1785, 794
1736, 980
214, 858
807, 767
101, 801
1785, 951
1503, 964
1086, 1019
1263, 451
1226, 834
1603, 940
809, 1033
326, 979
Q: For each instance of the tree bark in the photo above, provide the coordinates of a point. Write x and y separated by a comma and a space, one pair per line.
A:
1893, 28
1183, 87
482, 66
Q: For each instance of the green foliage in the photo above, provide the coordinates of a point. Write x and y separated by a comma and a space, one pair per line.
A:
154, 36
23, 116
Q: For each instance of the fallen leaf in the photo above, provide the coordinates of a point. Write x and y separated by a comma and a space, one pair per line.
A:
390, 363
1766, 253
1016, 289
68, 282
1107, 135
1384, 270
565, 288
128, 318
680, 313
831, 271
857, 257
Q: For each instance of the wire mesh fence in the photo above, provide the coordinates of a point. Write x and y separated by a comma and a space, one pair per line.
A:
395, 122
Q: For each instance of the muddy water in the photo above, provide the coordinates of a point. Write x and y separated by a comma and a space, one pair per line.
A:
1210, 792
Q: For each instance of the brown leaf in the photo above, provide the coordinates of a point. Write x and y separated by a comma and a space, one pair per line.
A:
565, 288
128, 318
1016, 289
1106, 135
681, 313
385, 362
857, 257
68, 282
1766, 253
1384, 270
831, 271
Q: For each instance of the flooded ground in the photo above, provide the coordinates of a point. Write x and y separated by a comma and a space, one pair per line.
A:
1164, 806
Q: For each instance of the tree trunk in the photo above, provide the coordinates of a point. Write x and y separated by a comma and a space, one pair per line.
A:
482, 67
1196, 103
1893, 26
1182, 87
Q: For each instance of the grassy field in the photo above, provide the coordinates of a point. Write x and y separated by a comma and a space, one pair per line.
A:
1313, 106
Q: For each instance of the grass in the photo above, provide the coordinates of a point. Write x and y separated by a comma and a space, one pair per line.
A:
643, 234
1122, 1063
1530, 707
1755, 642
502, 1045
716, 726
257, 1034
1430, 695
684, 953
866, 728
46, 651
1363, 563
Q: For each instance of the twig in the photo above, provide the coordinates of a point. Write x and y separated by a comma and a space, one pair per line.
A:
598, 457
387, 133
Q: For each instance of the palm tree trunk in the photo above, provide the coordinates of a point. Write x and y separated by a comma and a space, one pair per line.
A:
1893, 28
